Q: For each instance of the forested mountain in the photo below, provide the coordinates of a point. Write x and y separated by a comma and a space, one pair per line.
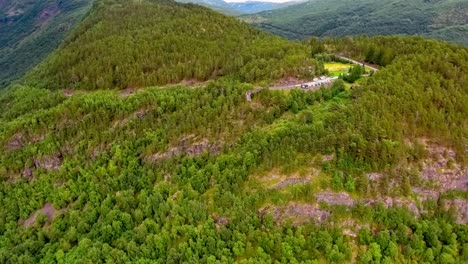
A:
30, 30
124, 44
446, 20
371, 171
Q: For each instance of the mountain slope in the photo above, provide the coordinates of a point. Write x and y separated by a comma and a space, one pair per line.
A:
30, 30
383, 17
375, 173
133, 44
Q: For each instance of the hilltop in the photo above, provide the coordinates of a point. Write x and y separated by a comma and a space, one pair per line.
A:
124, 44
30, 30
439, 19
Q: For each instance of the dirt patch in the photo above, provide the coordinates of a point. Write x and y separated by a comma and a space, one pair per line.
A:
328, 157
68, 92
333, 198
297, 213
48, 210
50, 162
127, 92
184, 148
375, 176
461, 209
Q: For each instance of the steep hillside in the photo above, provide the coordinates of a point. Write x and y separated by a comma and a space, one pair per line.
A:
442, 19
124, 44
30, 30
373, 173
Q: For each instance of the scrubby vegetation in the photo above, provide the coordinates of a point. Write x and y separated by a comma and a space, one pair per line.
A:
440, 19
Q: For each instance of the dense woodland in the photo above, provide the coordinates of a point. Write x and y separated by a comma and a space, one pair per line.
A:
177, 174
445, 20
167, 42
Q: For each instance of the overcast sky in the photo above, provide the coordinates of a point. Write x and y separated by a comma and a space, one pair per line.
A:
276, 1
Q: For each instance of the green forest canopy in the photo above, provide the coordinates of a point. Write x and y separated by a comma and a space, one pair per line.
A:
124, 44
445, 20
127, 184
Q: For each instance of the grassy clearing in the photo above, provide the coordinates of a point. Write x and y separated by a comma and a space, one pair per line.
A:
337, 68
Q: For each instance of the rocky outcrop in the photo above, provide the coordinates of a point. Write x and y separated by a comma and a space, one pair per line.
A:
333, 198
297, 213
48, 210
49, 162
192, 150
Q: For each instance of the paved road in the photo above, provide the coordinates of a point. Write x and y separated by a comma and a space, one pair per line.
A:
357, 62
248, 94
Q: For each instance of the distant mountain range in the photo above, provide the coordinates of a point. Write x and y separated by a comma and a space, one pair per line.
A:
238, 8
446, 20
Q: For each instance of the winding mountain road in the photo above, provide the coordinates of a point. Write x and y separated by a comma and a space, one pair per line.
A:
357, 62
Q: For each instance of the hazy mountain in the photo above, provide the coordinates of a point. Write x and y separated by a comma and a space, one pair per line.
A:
442, 19
237, 8
250, 7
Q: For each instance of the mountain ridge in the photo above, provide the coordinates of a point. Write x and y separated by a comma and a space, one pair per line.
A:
340, 18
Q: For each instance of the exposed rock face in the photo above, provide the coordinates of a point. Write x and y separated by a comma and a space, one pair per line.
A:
50, 163
442, 169
297, 213
328, 157
291, 181
192, 150
461, 208
16, 142
48, 210
27, 173
333, 198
